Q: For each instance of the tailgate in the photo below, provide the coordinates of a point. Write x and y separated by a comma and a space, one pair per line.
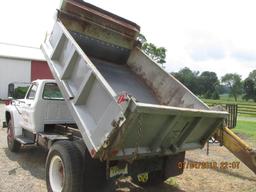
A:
156, 129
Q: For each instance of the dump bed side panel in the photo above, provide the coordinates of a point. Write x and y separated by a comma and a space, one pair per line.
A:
168, 90
90, 98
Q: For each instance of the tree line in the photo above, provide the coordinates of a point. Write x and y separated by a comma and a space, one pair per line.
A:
205, 84
208, 86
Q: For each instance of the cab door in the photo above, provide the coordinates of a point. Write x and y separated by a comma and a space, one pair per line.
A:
54, 109
28, 108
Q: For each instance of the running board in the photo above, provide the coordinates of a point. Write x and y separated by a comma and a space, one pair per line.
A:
24, 140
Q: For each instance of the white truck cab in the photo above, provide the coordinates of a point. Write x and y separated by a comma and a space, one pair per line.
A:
43, 105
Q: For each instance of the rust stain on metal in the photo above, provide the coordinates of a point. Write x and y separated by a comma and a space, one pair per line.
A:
166, 88
142, 76
173, 97
87, 11
93, 153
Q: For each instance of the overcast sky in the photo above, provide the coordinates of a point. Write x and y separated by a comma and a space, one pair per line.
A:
213, 35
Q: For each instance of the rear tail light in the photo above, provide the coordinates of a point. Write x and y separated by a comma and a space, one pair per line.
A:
8, 102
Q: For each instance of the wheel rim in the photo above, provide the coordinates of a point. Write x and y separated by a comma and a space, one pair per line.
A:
56, 174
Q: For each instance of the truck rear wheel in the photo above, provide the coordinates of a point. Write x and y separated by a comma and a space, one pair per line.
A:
94, 170
63, 168
13, 145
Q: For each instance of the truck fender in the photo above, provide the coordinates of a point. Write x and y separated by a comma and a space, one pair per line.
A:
12, 114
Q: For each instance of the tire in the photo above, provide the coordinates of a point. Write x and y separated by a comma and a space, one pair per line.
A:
63, 168
94, 170
13, 145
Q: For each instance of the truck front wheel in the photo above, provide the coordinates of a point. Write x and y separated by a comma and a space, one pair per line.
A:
63, 168
13, 145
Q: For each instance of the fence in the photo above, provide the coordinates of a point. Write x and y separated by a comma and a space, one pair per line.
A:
247, 109
232, 118
243, 108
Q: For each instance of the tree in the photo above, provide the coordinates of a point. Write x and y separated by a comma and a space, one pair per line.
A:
215, 95
249, 89
158, 54
188, 78
206, 84
249, 86
209, 85
252, 76
141, 38
233, 81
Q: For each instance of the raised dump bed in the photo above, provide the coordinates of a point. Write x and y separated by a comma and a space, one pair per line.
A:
124, 104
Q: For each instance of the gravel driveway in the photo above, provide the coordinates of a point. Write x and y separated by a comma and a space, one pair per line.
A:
25, 171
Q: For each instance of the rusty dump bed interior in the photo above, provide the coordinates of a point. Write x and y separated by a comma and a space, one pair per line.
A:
122, 79
109, 41
100, 33
110, 50
94, 58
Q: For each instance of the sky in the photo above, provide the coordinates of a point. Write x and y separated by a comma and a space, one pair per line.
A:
204, 35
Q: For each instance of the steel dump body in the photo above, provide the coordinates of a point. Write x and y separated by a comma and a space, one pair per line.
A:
124, 104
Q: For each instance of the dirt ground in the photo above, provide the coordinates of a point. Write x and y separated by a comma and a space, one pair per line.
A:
25, 171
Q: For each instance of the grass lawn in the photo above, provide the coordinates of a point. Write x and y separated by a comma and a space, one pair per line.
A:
247, 128
225, 98
231, 101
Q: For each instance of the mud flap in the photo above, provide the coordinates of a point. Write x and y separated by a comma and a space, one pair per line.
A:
171, 167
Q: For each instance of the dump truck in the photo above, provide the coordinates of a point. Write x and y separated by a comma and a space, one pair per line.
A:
110, 110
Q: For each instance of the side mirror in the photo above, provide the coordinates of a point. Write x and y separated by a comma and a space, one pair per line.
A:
4, 124
11, 90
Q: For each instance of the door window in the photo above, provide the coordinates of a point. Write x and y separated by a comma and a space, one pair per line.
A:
32, 92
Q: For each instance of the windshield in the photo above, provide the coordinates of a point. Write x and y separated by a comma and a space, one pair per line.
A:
52, 92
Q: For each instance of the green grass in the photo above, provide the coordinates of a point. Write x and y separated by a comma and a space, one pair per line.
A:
222, 101
225, 98
245, 115
247, 128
